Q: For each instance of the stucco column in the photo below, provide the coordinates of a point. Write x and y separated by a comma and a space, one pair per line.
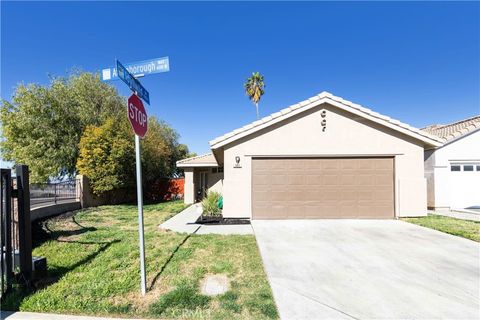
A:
189, 189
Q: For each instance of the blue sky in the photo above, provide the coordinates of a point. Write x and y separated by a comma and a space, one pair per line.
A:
417, 62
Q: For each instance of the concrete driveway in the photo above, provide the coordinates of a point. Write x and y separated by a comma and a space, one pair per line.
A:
368, 269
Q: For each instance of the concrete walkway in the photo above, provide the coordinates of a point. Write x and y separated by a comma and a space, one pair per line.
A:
185, 222
47, 316
463, 215
368, 269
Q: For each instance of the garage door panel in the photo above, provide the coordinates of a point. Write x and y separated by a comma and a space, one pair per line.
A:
277, 165
383, 180
277, 179
322, 188
329, 164
348, 179
313, 179
262, 179
365, 164
297, 165
365, 180
296, 179
380, 195
296, 211
385, 164
348, 195
365, 195
348, 164
329, 180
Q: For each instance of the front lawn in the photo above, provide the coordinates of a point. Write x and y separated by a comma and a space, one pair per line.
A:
457, 227
93, 268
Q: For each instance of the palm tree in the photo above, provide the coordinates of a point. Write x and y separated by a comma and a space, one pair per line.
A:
254, 88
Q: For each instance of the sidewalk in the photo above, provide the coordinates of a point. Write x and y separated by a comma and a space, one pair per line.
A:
463, 215
185, 222
47, 316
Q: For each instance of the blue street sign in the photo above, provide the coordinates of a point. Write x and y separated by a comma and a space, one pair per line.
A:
139, 68
132, 83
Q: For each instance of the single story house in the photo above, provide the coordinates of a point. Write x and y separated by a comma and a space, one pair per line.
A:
324, 157
453, 169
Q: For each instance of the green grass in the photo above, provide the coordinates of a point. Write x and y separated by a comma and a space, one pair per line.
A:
462, 228
93, 269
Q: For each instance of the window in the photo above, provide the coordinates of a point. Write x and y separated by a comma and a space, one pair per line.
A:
219, 170
466, 167
455, 167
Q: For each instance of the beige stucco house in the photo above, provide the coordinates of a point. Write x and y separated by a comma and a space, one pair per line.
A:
324, 157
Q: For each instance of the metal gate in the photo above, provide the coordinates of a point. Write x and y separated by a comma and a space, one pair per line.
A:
15, 229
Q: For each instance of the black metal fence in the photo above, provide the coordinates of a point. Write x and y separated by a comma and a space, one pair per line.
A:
6, 223
44, 193
15, 228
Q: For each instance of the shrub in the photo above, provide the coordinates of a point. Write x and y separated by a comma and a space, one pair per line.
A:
210, 204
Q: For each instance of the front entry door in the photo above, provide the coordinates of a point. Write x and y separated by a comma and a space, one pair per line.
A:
203, 184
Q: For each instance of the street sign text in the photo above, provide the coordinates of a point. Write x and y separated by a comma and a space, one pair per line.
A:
139, 68
132, 83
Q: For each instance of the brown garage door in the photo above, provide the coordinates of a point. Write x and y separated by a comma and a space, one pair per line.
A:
305, 188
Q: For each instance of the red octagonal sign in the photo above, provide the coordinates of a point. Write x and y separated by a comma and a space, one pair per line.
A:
137, 115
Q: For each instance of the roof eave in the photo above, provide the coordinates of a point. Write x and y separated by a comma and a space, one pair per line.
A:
196, 165
428, 139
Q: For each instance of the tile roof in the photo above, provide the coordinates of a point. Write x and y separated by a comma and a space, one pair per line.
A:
324, 97
454, 130
198, 161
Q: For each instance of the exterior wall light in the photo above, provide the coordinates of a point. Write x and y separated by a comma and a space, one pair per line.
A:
237, 162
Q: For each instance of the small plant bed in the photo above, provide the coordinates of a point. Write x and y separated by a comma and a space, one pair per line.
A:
223, 221
93, 269
211, 208
462, 228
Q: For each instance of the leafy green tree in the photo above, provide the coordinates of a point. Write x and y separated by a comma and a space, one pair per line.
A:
255, 88
159, 150
184, 153
107, 156
42, 126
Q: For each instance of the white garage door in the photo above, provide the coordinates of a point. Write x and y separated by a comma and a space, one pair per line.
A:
464, 185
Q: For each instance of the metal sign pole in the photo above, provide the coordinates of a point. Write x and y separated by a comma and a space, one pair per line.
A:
138, 119
140, 215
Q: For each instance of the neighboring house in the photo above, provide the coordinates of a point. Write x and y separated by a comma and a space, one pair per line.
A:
453, 169
324, 157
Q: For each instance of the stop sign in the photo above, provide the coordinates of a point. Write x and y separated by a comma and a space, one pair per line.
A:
137, 115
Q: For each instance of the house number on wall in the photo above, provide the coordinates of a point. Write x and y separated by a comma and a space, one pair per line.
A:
324, 120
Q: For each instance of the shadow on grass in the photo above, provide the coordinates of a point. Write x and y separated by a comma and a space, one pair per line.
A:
157, 276
42, 233
43, 279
